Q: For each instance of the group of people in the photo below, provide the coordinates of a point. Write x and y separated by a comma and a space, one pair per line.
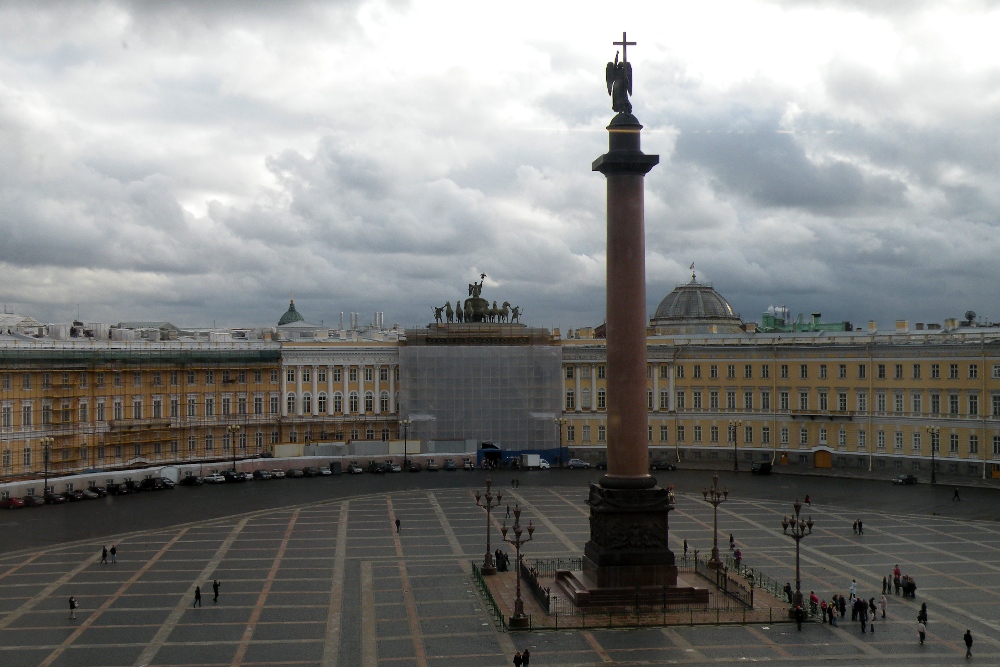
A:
859, 527
900, 582
501, 560
521, 658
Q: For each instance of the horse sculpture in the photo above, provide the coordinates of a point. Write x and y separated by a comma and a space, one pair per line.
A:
448, 312
504, 311
458, 312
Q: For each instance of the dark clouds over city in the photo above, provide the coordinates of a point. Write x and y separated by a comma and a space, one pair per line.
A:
197, 162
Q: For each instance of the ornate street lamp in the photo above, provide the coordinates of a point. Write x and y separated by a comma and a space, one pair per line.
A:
489, 567
715, 496
233, 430
935, 443
800, 528
734, 426
519, 619
559, 422
46, 444
405, 423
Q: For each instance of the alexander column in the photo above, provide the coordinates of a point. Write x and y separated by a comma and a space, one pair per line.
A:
628, 516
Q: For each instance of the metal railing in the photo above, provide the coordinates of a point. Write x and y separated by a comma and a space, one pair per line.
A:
730, 586
494, 608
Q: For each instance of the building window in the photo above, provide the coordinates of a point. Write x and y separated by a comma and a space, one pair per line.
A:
803, 371
602, 399
842, 371
880, 402
352, 375
337, 376
209, 442
783, 401
355, 434
862, 439
822, 435
953, 371
664, 433
290, 404
823, 402
46, 414
713, 371
996, 445
664, 372
765, 400
996, 373
765, 371
748, 400
600, 372
570, 399
209, 377
6, 381
7, 417
973, 371
157, 408
730, 399
803, 400
765, 435
369, 402
383, 374
803, 436
679, 372
862, 371
713, 399
713, 432
679, 397
338, 402
898, 403
680, 433
953, 444
307, 404
953, 404
784, 371
649, 399
935, 404
696, 399
917, 403
822, 371
784, 435
353, 401
842, 439
664, 399
899, 371
321, 403
748, 372
369, 377
696, 371
602, 433
383, 401
306, 374
649, 433
916, 371
880, 440
973, 405
586, 432
880, 371
747, 434
569, 372
570, 433
731, 371
973, 444
117, 411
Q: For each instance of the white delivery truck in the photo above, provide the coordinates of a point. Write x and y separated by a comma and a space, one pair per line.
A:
531, 461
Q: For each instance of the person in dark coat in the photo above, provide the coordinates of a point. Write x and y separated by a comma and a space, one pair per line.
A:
72, 607
843, 606
956, 497
518, 660
968, 643
104, 555
215, 589
525, 657
197, 597
397, 525
800, 615
114, 553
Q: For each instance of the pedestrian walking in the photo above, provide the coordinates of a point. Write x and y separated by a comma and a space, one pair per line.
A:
922, 614
508, 511
896, 574
842, 603
215, 589
921, 631
854, 588
104, 555
525, 657
72, 607
855, 526
861, 527
799, 616
114, 553
822, 609
739, 559
518, 660
685, 549
732, 542
197, 597
968, 643
809, 501
884, 604
885, 582
397, 525
956, 497
872, 614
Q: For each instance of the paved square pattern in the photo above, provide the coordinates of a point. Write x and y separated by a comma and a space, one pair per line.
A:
332, 583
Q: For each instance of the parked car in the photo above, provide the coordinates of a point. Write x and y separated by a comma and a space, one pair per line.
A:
89, 494
192, 480
152, 484
295, 472
73, 496
415, 466
602, 465
310, 471
214, 478
392, 466
11, 503
168, 483
449, 464
54, 498
467, 464
761, 468
663, 464
278, 473
99, 490
904, 479
262, 474
376, 467
432, 466
324, 471
33, 501
577, 463
132, 486
354, 468
233, 476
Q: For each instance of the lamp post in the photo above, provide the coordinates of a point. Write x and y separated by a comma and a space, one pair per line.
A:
46, 444
519, 619
935, 443
405, 423
800, 529
715, 496
489, 567
233, 430
734, 426
559, 422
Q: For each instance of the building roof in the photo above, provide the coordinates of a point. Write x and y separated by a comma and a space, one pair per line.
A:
291, 315
693, 308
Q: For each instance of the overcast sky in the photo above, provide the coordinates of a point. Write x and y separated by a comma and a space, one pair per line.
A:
199, 161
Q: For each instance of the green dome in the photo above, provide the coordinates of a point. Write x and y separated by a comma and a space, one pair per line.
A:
291, 315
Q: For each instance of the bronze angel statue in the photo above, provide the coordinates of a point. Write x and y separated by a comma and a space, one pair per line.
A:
619, 76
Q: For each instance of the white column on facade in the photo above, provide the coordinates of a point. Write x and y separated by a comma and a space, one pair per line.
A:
315, 391
284, 391
377, 404
392, 389
656, 388
329, 390
670, 388
361, 389
345, 374
579, 396
298, 391
593, 387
